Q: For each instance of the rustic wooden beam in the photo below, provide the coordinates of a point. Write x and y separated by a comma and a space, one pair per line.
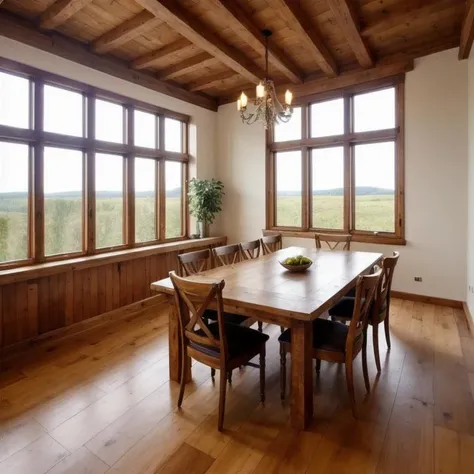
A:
149, 59
347, 20
251, 34
467, 31
185, 66
200, 34
61, 11
25, 32
299, 22
210, 81
347, 79
125, 32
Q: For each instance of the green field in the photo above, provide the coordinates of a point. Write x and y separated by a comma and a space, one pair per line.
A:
63, 224
373, 212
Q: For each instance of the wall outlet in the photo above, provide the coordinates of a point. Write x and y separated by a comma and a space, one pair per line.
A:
418, 279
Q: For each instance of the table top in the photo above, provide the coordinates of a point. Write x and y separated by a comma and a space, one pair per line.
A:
263, 284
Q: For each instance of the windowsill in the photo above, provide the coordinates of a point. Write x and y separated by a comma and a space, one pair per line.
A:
38, 270
363, 238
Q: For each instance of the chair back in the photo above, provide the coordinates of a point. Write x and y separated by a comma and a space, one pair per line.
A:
333, 241
192, 299
365, 293
250, 250
194, 262
227, 254
271, 243
381, 304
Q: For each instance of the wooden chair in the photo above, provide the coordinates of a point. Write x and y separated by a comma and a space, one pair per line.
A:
336, 342
380, 310
194, 262
250, 250
271, 243
227, 254
218, 345
333, 241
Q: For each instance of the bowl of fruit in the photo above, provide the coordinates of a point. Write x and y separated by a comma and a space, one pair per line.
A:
299, 263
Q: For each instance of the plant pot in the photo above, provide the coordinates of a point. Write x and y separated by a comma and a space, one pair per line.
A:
202, 229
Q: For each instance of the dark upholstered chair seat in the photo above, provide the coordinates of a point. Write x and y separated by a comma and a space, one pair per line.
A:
240, 340
345, 307
228, 317
327, 335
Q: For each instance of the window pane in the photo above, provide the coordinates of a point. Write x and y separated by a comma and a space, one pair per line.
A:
173, 179
291, 130
62, 200
108, 121
13, 201
327, 118
145, 200
173, 135
374, 110
14, 101
375, 187
288, 188
63, 111
109, 200
328, 188
145, 129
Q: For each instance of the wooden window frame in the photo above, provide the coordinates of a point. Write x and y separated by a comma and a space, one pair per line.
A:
347, 140
37, 139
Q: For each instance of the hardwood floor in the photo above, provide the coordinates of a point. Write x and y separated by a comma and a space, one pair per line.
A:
101, 402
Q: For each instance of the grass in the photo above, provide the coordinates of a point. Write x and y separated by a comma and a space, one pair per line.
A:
372, 212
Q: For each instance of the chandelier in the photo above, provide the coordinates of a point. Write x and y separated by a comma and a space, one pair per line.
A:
268, 109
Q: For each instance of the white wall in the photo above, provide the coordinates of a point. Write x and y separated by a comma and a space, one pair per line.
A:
203, 122
435, 177
470, 234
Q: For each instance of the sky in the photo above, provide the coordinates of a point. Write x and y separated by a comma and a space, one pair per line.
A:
64, 114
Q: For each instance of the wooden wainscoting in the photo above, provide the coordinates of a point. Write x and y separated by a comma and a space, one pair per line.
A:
38, 300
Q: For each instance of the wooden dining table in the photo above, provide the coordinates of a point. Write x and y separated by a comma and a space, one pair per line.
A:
263, 290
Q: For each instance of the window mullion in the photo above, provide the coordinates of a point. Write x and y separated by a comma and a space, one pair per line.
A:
89, 174
161, 184
129, 181
348, 191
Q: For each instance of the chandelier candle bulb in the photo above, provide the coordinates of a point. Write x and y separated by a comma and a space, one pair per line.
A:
239, 104
288, 97
243, 100
260, 91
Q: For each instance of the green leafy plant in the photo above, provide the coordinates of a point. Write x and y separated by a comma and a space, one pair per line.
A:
205, 199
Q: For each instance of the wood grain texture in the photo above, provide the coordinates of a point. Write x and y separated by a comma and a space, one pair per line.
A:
467, 32
60, 11
150, 58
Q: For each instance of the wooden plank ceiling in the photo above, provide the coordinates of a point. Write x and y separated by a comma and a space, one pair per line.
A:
214, 48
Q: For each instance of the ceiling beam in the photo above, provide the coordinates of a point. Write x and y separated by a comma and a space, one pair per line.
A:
54, 43
299, 22
301, 92
467, 31
125, 32
200, 34
186, 66
61, 11
347, 20
210, 81
252, 35
149, 59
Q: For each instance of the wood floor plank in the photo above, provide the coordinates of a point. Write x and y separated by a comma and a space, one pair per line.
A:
80, 462
454, 452
187, 459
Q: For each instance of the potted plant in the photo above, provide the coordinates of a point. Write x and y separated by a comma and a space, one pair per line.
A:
205, 201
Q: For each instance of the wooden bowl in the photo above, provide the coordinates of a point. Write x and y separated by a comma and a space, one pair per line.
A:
295, 268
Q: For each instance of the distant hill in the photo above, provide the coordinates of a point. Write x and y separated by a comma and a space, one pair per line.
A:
360, 191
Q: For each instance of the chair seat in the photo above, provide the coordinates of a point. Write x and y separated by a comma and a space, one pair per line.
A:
345, 307
240, 340
228, 317
327, 335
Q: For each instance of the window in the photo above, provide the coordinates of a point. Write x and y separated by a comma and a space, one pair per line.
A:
63, 200
90, 174
341, 168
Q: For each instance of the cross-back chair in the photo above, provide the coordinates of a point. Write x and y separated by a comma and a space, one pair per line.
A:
250, 250
380, 310
271, 243
194, 262
336, 342
333, 241
227, 254
219, 345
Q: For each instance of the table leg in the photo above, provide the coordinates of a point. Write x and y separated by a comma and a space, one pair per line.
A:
175, 348
301, 374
